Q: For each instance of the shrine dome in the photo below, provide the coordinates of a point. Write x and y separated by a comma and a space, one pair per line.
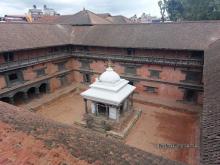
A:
109, 76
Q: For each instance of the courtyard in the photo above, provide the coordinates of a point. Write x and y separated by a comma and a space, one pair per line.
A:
156, 126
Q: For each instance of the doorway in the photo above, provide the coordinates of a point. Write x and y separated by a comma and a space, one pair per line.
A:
103, 109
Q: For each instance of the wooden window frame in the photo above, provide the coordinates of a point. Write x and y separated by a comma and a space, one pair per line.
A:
148, 89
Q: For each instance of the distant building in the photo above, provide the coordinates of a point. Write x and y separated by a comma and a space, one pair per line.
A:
15, 18
49, 12
145, 18
1, 19
36, 13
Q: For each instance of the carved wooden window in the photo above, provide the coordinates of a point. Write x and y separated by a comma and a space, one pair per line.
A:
130, 51
85, 65
154, 74
13, 78
130, 70
40, 72
193, 76
61, 66
150, 89
63, 80
199, 55
86, 78
8, 56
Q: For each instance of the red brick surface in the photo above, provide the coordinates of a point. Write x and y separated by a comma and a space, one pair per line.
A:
82, 144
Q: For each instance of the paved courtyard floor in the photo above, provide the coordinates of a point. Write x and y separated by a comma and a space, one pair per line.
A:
67, 109
161, 126
155, 126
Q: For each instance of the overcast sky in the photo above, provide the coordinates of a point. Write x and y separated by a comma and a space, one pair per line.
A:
115, 7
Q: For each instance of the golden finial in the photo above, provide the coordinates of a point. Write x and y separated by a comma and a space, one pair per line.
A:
109, 63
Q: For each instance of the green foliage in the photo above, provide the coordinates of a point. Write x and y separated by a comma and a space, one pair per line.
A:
191, 10
162, 6
174, 9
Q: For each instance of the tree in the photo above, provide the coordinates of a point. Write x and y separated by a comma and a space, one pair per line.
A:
191, 10
162, 6
174, 9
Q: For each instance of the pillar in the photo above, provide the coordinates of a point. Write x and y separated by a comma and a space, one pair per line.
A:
93, 108
106, 111
132, 100
48, 88
117, 114
37, 91
25, 96
86, 107
11, 99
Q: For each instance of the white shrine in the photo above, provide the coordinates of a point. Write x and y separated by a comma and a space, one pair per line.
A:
109, 96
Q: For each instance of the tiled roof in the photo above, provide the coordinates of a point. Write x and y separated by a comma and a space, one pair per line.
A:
84, 17
118, 19
210, 121
80, 143
16, 36
188, 36
177, 36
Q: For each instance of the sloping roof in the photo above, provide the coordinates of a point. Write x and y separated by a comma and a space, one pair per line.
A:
24, 36
210, 121
47, 19
78, 143
176, 36
189, 36
118, 19
103, 15
84, 17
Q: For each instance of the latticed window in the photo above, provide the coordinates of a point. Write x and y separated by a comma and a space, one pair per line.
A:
8, 56
40, 72
130, 70
150, 89
193, 76
61, 66
130, 51
154, 73
63, 80
85, 65
86, 78
14, 78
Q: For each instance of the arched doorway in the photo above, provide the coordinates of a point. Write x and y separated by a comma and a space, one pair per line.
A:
43, 88
5, 99
19, 98
31, 92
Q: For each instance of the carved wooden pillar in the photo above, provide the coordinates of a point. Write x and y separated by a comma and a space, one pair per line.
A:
132, 102
86, 107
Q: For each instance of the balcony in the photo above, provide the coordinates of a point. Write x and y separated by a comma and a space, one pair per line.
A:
32, 61
99, 56
141, 59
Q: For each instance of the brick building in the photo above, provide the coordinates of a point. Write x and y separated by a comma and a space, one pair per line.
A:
163, 61
44, 57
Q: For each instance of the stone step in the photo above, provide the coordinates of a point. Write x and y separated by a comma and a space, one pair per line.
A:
97, 126
98, 129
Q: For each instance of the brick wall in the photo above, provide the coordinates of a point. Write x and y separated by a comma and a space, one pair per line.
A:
2, 82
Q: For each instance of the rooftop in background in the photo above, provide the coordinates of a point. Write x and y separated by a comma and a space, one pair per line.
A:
85, 17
